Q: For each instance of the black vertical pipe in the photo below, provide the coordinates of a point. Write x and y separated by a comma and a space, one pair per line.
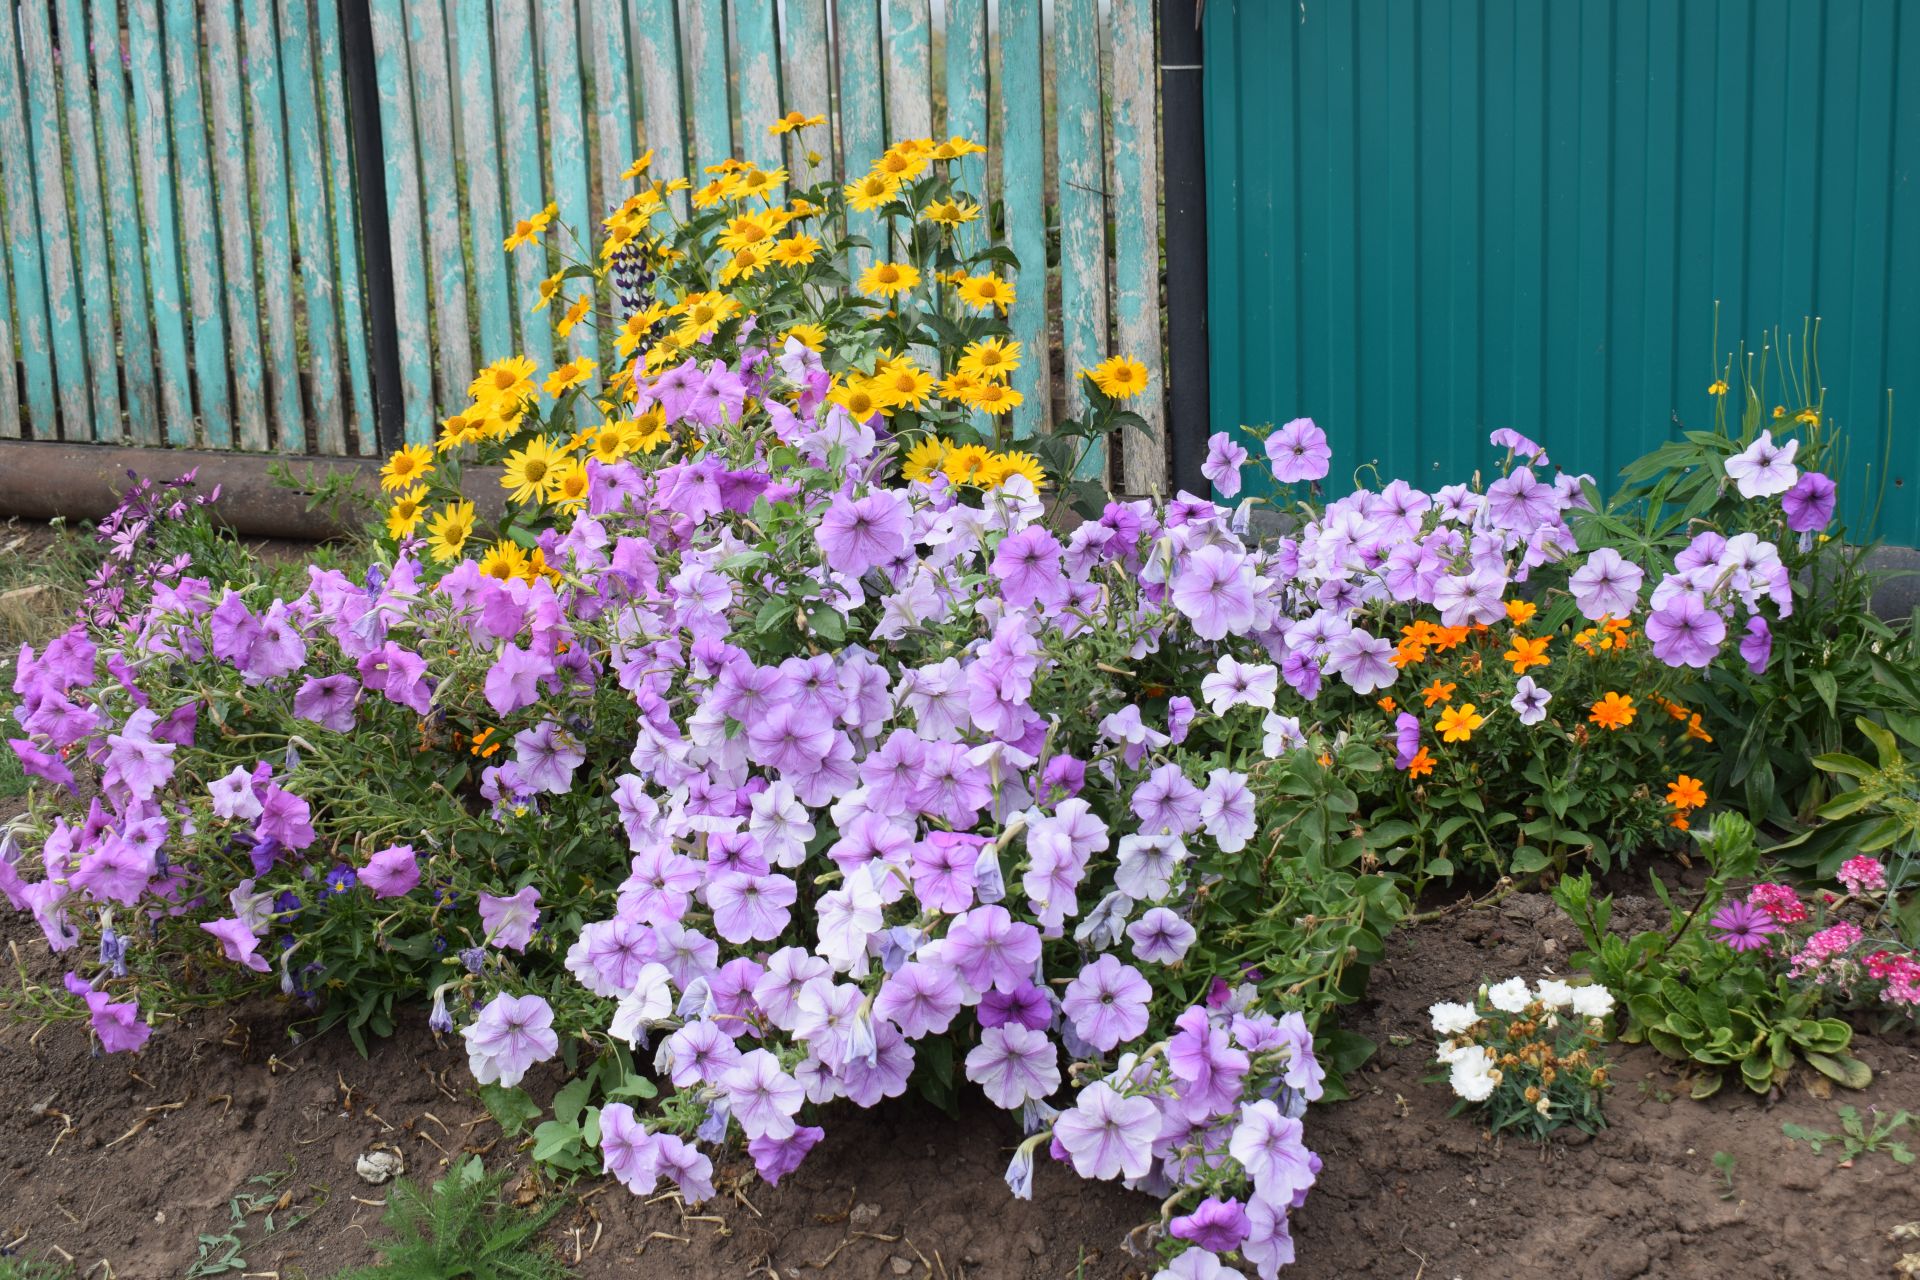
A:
1183, 144
376, 252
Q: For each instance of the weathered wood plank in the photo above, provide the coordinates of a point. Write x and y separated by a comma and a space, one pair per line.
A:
123, 230
909, 70
756, 61
612, 97
404, 220
447, 266
863, 115
306, 159
706, 23
1082, 203
655, 33
806, 76
491, 285
23, 246
199, 223
56, 243
90, 225
347, 255
9, 387
267, 132
1136, 216
567, 139
1023, 177
966, 80
236, 226
526, 181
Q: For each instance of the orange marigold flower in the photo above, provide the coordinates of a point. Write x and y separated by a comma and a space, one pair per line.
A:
1527, 653
1438, 691
1680, 822
1520, 612
1686, 792
1695, 731
1408, 654
1421, 764
1388, 705
1615, 711
1446, 638
1458, 723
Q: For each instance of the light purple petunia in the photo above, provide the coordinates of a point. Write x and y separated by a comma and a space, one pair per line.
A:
1227, 810
1107, 1135
627, 1150
393, 872
514, 679
1299, 451
1107, 1003
238, 942
775, 1158
1363, 660
920, 998
511, 1034
1268, 1146
990, 950
509, 921
1764, 468
1686, 631
1215, 1224
233, 796
1160, 936
1214, 589
1756, 646
1529, 701
1014, 1065
1027, 565
763, 1098
855, 534
117, 1023
327, 701
1225, 457
750, 908
1607, 585
1166, 801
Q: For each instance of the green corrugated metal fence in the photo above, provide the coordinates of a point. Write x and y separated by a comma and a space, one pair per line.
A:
183, 225
1429, 219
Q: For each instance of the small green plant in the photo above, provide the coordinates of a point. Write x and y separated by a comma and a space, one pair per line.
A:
461, 1229
1697, 1000
1528, 1057
1723, 1161
220, 1253
1856, 1138
23, 1269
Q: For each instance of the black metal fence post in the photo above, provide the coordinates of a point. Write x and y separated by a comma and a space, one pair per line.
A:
376, 253
1183, 144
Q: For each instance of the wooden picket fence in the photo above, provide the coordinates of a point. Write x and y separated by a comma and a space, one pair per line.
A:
186, 260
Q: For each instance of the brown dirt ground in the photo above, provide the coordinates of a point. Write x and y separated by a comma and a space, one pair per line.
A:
129, 1159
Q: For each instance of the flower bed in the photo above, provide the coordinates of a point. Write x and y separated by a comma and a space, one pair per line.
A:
787, 745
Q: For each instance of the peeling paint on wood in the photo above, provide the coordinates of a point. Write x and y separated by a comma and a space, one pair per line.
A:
1082, 204
236, 227
706, 23
199, 224
346, 254
404, 220
23, 246
89, 208
481, 140
757, 62
433, 125
1136, 218
909, 70
123, 226
1023, 194
306, 161
806, 74
566, 133
655, 31
276, 237
526, 180
56, 246
863, 125
966, 70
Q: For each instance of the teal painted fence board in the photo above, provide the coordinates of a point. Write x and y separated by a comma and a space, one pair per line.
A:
23, 246
349, 260
90, 224
391, 74
184, 262
806, 71
1023, 185
306, 159
484, 209
526, 181
200, 250
9, 388
121, 175
567, 152
447, 267
1429, 220
862, 118
756, 43
223, 89
271, 204
56, 242
153, 135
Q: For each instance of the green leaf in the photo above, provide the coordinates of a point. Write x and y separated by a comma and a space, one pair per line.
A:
1843, 1068
553, 1138
567, 1103
1528, 859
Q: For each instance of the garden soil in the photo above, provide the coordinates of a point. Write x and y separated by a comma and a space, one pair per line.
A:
126, 1164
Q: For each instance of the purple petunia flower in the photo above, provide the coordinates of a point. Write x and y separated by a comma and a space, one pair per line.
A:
391, 873
509, 921
1530, 701
511, 1034
1107, 1135
1107, 1003
1607, 585
1809, 503
1215, 1224
1756, 646
1743, 927
1225, 457
1764, 468
1406, 739
1299, 451
1685, 631
1014, 1065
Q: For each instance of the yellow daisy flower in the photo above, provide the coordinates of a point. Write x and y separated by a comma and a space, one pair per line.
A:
448, 531
987, 293
924, 458
403, 517
993, 358
1121, 377
408, 465
570, 374
885, 279
529, 471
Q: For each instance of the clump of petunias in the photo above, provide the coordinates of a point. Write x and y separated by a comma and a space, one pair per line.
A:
1527, 1057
